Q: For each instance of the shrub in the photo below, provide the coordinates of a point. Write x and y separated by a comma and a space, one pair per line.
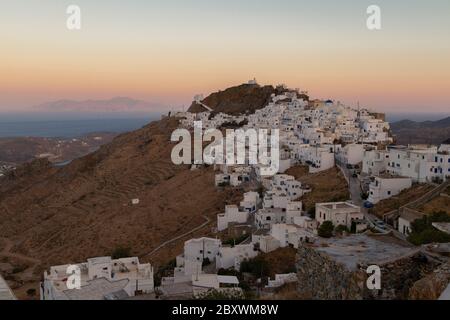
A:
221, 295
31, 292
257, 266
423, 231
326, 229
341, 229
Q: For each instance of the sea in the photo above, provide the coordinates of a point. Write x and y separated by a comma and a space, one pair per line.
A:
69, 125
65, 125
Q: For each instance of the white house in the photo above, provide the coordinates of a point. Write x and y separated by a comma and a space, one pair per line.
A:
265, 242
375, 161
251, 201
265, 217
100, 278
421, 163
405, 219
233, 214
386, 186
290, 234
199, 249
282, 279
340, 213
351, 154
232, 256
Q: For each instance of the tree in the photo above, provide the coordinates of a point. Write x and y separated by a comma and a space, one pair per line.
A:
326, 229
257, 266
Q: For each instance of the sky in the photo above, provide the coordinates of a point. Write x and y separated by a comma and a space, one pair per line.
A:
168, 51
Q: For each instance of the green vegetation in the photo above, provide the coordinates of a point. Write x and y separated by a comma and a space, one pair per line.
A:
221, 295
340, 229
326, 229
423, 231
164, 271
121, 252
257, 266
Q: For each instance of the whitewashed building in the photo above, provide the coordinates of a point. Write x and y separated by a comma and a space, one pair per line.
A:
340, 213
100, 278
232, 215
386, 186
232, 256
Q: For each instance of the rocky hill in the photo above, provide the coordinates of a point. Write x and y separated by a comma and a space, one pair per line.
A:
430, 132
245, 98
18, 150
51, 216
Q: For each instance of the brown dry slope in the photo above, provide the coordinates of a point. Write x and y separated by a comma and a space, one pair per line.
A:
62, 215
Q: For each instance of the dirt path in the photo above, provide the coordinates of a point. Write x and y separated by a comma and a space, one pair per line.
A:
162, 245
6, 252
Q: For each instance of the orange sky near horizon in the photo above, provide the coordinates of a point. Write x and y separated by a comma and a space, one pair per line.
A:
400, 68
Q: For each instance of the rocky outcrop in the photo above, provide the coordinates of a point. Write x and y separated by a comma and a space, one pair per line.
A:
245, 98
431, 286
320, 277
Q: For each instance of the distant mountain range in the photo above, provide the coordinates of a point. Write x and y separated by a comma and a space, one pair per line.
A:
117, 104
410, 132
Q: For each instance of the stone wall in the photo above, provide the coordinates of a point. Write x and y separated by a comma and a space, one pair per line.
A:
322, 278
431, 286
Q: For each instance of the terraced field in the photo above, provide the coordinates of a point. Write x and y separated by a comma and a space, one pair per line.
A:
68, 214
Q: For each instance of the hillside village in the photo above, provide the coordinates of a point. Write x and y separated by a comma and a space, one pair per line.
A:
345, 235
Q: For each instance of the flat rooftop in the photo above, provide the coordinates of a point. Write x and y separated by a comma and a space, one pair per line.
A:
364, 249
338, 205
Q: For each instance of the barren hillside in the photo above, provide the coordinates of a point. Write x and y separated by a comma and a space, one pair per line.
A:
54, 215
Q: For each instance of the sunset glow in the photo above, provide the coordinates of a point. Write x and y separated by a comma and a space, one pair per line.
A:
148, 50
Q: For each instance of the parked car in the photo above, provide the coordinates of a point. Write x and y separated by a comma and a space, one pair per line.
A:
368, 204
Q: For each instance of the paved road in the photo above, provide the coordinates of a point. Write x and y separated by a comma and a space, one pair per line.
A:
355, 195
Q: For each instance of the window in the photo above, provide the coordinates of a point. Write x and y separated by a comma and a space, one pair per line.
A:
389, 193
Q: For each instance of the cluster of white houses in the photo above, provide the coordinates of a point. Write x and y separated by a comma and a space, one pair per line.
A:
316, 133
100, 278
395, 168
